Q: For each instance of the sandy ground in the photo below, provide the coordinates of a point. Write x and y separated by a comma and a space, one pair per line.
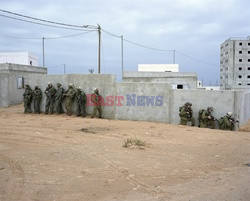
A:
51, 157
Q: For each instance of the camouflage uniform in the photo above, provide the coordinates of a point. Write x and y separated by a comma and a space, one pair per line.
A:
50, 94
70, 95
227, 122
207, 120
97, 100
27, 99
186, 114
58, 99
81, 100
37, 97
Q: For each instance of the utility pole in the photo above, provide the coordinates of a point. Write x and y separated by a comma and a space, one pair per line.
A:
122, 52
43, 53
99, 49
64, 68
174, 56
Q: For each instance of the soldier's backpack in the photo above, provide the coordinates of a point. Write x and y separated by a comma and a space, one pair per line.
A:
180, 108
200, 114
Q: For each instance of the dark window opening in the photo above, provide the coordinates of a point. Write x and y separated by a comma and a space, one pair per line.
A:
239, 83
240, 76
240, 60
240, 44
248, 76
248, 52
240, 68
248, 68
240, 52
248, 60
31, 63
179, 86
248, 83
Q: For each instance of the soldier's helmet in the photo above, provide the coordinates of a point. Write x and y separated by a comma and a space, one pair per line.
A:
70, 85
210, 109
27, 85
188, 104
49, 84
229, 114
36, 85
96, 89
58, 84
78, 88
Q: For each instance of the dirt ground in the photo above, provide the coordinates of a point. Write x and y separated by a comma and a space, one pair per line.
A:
51, 157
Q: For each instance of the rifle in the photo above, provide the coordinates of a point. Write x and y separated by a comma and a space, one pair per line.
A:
233, 120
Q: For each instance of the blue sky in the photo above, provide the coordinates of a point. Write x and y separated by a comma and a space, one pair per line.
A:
195, 28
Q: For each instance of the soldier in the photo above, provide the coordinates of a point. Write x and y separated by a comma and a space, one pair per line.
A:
70, 95
97, 100
81, 100
58, 99
27, 99
37, 96
206, 120
227, 122
50, 94
186, 114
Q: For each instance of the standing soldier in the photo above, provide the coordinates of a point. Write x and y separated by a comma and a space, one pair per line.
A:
97, 100
70, 95
186, 114
58, 99
227, 122
206, 120
50, 94
81, 100
37, 96
27, 99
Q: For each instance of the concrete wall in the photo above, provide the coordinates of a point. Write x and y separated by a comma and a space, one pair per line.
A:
10, 93
4, 90
221, 101
151, 101
88, 82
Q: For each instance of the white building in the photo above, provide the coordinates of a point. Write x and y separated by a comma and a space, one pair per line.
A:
235, 63
23, 58
158, 67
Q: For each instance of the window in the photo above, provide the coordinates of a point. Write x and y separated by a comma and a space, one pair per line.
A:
226, 52
221, 47
240, 44
248, 76
248, 68
248, 44
240, 68
248, 83
240, 60
248, 60
226, 60
248, 52
20, 82
239, 83
179, 86
31, 63
240, 52
221, 62
240, 76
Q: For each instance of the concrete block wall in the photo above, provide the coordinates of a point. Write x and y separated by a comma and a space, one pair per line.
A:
88, 82
151, 101
4, 90
221, 101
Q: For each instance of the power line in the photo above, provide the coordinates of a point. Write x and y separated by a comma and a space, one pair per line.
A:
196, 59
48, 38
38, 23
156, 49
48, 21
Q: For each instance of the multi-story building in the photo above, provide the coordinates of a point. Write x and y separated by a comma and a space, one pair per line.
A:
235, 63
